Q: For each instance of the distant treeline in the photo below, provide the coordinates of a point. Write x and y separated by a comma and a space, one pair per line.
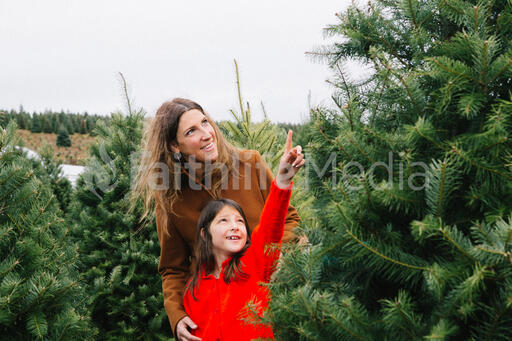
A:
51, 122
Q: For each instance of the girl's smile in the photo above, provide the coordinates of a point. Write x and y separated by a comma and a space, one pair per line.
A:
229, 233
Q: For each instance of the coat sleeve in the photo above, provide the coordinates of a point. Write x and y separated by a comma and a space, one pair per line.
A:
267, 236
265, 179
173, 267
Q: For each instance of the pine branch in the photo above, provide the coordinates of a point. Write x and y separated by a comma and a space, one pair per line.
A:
485, 234
498, 24
388, 71
441, 331
344, 81
390, 194
342, 191
412, 14
386, 22
475, 17
394, 261
442, 180
6, 233
347, 21
447, 236
484, 66
37, 326
25, 199
367, 188
502, 70
337, 204
238, 88
359, 148
468, 289
447, 69
43, 209
409, 93
494, 252
509, 237
327, 250
20, 184
40, 293
13, 265
399, 313
373, 133
390, 48
332, 142
345, 328
125, 92
14, 223
342, 109
438, 145
492, 145
438, 6
495, 322
461, 154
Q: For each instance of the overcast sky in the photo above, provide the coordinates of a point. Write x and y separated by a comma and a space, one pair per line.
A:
65, 54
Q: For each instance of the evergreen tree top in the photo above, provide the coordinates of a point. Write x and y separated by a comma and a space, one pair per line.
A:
414, 205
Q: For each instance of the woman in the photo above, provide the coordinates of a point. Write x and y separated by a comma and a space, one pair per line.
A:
187, 163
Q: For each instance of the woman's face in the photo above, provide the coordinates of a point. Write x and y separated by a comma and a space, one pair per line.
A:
196, 137
229, 233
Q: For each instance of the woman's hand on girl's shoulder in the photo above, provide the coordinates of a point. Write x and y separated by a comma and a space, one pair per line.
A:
291, 161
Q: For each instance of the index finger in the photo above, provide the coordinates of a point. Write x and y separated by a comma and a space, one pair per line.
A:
288, 144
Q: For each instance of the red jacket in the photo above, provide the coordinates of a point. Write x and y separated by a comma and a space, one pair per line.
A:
221, 308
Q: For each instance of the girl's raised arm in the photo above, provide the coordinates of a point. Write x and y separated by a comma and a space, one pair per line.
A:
271, 226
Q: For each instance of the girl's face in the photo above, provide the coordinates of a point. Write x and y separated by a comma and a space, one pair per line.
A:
196, 137
229, 233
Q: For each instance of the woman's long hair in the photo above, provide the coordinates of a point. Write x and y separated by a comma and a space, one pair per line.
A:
203, 251
157, 157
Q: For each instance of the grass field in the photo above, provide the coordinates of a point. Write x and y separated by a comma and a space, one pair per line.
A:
74, 155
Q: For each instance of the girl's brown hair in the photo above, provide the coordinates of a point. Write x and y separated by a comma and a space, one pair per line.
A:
156, 152
203, 250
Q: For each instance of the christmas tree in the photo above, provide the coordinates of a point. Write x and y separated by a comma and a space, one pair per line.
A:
63, 139
119, 260
412, 179
3, 118
40, 295
54, 177
36, 124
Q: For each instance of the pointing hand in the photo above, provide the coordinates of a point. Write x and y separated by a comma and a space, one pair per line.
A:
291, 161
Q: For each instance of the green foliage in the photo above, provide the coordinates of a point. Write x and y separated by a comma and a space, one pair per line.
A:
63, 139
3, 118
36, 124
118, 262
61, 186
47, 125
411, 177
40, 295
50, 122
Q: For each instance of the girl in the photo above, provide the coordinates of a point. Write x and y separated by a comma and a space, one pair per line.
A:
225, 289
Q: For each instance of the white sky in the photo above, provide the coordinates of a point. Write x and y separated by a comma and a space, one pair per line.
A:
65, 54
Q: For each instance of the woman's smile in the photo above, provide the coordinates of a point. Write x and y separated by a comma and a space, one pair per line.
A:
196, 137
209, 147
